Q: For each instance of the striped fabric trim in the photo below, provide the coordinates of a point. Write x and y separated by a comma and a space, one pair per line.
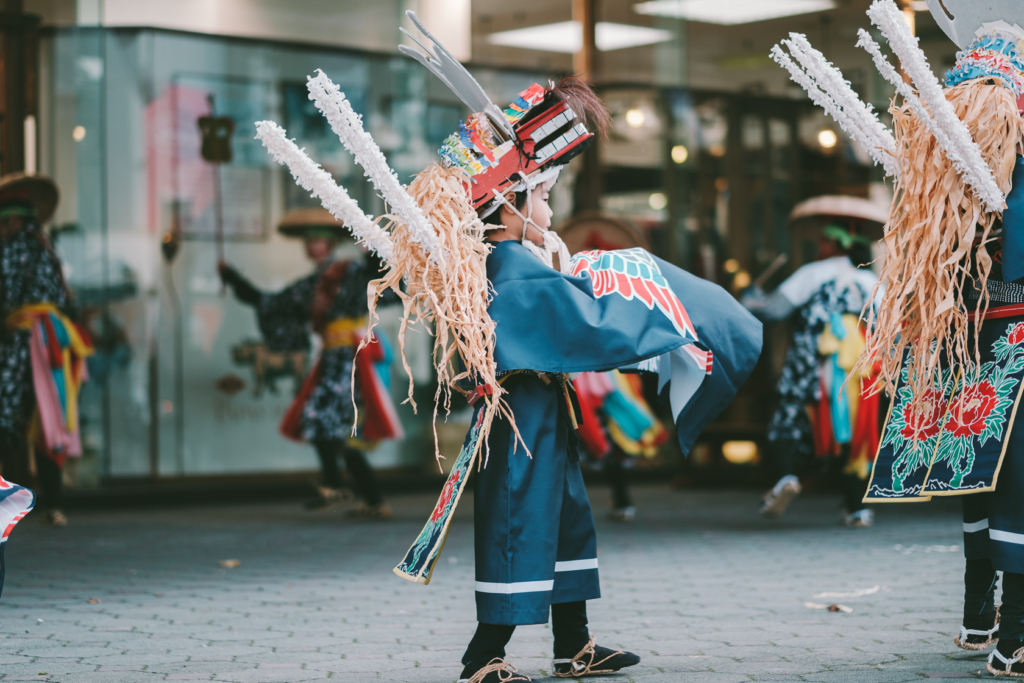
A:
535, 586
13, 508
576, 565
971, 527
1006, 536
517, 587
995, 313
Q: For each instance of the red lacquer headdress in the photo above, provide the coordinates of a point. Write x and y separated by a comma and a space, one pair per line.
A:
515, 149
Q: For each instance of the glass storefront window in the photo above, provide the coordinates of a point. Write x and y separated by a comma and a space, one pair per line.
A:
182, 383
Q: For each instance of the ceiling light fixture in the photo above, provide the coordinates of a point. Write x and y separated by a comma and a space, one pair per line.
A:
567, 37
730, 12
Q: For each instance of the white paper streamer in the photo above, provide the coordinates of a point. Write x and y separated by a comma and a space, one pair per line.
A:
950, 132
320, 184
348, 126
829, 90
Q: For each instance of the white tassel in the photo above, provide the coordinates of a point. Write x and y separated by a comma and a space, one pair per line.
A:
962, 151
865, 127
348, 126
827, 88
318, 183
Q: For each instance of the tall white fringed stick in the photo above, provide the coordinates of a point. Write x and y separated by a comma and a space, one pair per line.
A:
868, 130
880, 146
917, 106
961, 149
318, 182
348, 126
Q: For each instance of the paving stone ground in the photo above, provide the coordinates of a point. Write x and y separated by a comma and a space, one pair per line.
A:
698, 586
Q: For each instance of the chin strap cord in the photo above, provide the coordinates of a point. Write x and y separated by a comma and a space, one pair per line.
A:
553, 244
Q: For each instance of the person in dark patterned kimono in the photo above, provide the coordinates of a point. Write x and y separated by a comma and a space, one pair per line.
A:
41, 351
331, 302
819, 412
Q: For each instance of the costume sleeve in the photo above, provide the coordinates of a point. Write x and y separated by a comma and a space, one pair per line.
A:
244, 290
772, 306
44, 276
284, 317
625, 309
799, 287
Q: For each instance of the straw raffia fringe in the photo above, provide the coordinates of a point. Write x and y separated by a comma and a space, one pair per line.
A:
453, 299
936, 219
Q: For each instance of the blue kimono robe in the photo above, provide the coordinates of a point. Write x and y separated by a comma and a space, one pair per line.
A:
534, 530
994, 517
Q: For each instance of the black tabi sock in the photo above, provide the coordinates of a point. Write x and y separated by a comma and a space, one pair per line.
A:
488, 642
979, 593
569, 627
1011, 612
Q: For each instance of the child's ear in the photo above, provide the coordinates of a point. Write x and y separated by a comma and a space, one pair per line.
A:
505, 210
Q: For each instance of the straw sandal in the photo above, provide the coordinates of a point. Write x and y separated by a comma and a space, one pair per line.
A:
593, 659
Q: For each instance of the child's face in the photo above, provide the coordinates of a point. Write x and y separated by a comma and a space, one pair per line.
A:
536, 209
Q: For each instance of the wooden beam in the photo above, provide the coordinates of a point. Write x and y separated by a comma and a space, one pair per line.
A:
583, 62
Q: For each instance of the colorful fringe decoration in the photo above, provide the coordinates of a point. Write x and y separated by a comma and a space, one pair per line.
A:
473, 147
998, 54
847, 412
615, 400
58, 350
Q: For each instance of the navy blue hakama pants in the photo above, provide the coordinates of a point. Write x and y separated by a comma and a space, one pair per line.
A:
534, 531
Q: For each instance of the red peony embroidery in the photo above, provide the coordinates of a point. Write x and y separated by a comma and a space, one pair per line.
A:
1016, 334
970, 410
923, 416
446, 496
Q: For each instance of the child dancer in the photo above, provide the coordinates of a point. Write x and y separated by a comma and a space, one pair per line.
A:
469, 242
